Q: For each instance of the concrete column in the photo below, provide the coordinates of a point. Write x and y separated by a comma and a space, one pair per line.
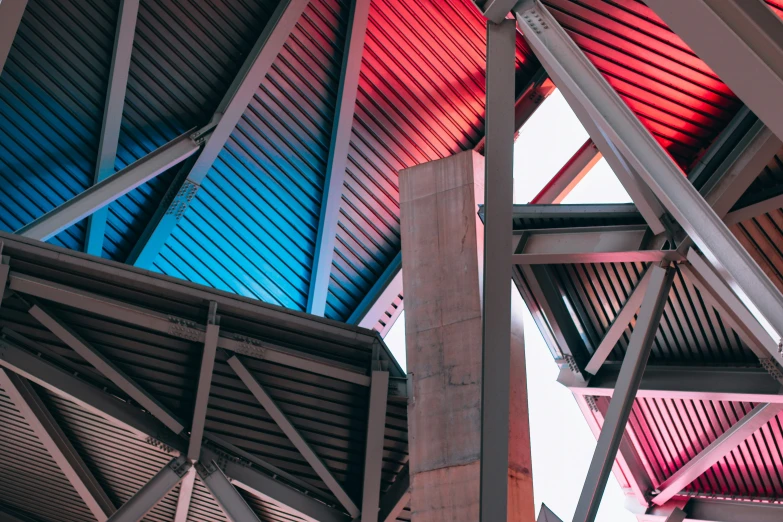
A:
442, 242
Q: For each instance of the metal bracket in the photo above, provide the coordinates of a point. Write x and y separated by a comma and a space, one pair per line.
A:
772, 368
160, 445
184, 329
181, 201
180, 466
534, 20
249, 346
590, 400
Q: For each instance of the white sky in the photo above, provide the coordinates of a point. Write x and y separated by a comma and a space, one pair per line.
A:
562, 444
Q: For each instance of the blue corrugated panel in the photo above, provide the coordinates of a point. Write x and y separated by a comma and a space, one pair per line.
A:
52, 93
185, 55
421, 98
252, 227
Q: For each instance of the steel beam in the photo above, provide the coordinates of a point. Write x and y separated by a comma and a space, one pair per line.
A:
734, 312
495, 10
225, 119
546, 515
568, 177
57, 444
204, 382
628, 383
742, 41
106, 367
569, 66
153, 491
111, 188
185, 495
293, 435
11, 12
398, 496
619, 325
719, 448
677, 515
496, 313
373, 453
708, 510
338, 157
62, 382
264, 487
735, 384
232, 503
386, 289
172, 325
112, 116
754, 210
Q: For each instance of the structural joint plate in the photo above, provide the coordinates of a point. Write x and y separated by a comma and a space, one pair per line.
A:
180, 466
184, 329
248, 346
769, 364
158, 444
534, 20
590, 400
180, 203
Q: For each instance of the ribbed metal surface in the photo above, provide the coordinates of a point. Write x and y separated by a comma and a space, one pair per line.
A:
30, 480
762, 236
52, 92
252, 228
690, 331
203, 506
768, 184
185, 55
270, 511
670, 432
675, 95
120, 462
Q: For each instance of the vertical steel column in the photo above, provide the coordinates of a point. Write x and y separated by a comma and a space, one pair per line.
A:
373, 455
204, 383
625, 392
496, 316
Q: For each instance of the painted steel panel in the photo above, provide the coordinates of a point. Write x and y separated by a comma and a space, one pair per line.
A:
52, 92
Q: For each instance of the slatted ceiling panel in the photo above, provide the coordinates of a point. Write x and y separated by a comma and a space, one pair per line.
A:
330, 414
421, 98
672, 431
26, 467
269, 511
51, 103
762, 236
675, 95
203, 506
776, 6
121, 463
251, 230
185, 56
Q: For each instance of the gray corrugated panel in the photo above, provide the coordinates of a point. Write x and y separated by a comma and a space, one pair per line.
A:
270, 511
185, 55
251, 230
421, 98
670, 432
690, 331
203, 506
762, 236
51, 104
121, 463
676, 96
330, 414
30, 480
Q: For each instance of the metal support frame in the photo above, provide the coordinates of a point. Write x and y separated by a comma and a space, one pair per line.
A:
232, 503
204, 382
338, 157
112, 116
373, 453
225, 119
742, 41
619, 325
111, 188
546, 515
708, 510
185, 495
733, 384
393, 502
57, 444
628, 383
496, 313
754, 210
569, 67
495, 10
677, 515
719, 448
110, 370
293, 434
11, 12
387, 288
568, 177
172, 325
153, 491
